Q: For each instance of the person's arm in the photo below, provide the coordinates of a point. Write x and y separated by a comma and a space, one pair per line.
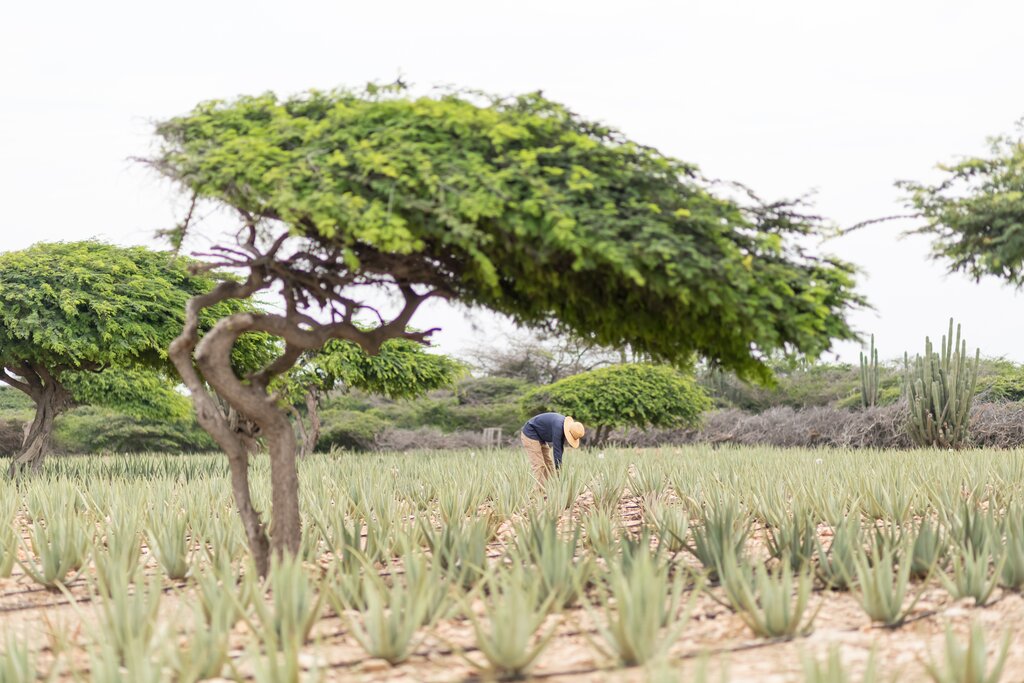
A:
557, 443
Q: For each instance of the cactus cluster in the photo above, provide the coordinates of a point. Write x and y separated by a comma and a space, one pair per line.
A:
939, 388
869, 374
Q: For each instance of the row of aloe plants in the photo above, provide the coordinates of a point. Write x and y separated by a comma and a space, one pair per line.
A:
380, 531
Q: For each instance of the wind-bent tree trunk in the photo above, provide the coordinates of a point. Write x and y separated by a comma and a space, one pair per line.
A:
309, 435
51, 399
205, 362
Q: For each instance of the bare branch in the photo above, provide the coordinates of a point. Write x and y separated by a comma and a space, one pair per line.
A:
8, 377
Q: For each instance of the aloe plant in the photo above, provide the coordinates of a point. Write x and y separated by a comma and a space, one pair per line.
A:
837, 567
108, 665
793, 538
1012, 575
772, 603
460, 549
672, 525
390, 623
8, 550
970, 663
294, 607
17, 664
883, 585
60, 547
167, 532
128, 619
601, 535
512, 639
722, 533
832, 670
929, 549
203, 654
553, 556
222, 599
974, 573
641, 603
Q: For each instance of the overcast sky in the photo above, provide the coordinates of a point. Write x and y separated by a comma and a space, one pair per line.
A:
787, 97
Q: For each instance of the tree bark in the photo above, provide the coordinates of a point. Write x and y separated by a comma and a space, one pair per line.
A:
205, 362
222, 426
312, 433
51, 399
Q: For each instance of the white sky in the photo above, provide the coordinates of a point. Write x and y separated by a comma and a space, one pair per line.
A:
841, 98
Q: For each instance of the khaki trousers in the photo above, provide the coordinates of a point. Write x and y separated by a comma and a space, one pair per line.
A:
541, 462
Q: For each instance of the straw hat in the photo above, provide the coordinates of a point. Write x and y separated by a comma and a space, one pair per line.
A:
573, 431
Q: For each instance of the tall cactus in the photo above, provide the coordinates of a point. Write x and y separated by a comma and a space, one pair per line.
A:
939, 390
869, 376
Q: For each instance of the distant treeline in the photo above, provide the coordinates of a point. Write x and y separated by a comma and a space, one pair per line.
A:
456, 417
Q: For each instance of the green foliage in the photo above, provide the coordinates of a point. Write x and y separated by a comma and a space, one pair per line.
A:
799, 384
69, 306
91, 429
975, 213
401, 369
940, 388
626, 246
350, 430
636, 394
1001, 380
15, 405
73, 304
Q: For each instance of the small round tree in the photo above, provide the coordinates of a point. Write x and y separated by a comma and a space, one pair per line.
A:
87, 322
630, 395
401, 369
517, 205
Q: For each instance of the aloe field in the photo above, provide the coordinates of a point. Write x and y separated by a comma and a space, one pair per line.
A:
670, 564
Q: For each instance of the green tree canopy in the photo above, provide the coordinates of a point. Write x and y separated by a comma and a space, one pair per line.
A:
87, 322
400, 369
630, 395
514, 204
975, 214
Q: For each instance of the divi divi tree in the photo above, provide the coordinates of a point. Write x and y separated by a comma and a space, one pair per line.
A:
517, 205
88, 322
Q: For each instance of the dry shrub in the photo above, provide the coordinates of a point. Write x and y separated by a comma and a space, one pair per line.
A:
993, 425
12, 434
395, 439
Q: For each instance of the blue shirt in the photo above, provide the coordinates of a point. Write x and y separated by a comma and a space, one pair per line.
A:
549, 428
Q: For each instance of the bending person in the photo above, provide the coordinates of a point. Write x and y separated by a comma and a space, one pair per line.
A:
554, 429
